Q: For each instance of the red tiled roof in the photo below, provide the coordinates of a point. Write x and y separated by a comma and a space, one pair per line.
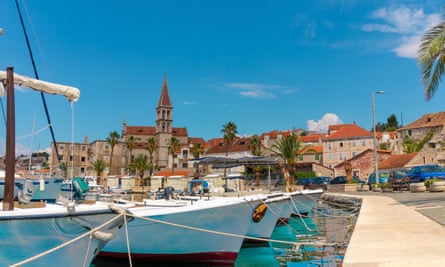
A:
180, 131
196, 140
397, 161
239, 144
427, 121
312, 138
348, 131
141, 130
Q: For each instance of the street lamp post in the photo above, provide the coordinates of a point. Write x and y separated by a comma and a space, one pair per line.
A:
376, 163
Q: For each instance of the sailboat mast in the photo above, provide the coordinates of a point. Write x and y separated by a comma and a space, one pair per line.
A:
8, 200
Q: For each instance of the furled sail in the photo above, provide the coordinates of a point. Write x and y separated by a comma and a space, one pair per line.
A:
71, 93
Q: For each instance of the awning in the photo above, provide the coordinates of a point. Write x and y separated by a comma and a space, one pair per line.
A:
226, 162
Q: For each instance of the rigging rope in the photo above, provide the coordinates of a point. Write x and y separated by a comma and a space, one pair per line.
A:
42, 95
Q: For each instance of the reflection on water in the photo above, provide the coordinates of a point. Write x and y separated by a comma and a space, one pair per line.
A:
321, 238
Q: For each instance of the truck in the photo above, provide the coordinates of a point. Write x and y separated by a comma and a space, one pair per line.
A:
422, 173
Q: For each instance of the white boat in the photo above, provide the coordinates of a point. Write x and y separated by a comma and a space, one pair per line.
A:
44, 188
27, 234
47, 234
303, 201
205, 232
273, 207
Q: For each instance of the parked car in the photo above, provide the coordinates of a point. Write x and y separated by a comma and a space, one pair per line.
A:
383, 178
315, 182
342, 180
398, 178
426, 172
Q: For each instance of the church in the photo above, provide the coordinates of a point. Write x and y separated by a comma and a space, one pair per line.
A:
162, 132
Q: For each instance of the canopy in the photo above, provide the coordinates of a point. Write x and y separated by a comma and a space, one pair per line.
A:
226, 162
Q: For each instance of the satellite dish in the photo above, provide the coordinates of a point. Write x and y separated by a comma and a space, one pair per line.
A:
25, 191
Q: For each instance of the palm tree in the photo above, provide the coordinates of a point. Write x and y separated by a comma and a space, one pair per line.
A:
112, 139
255, 149
288, 148
99, 166
173, 147
140, 164
431, 58
229, 132
196, 151
151, 146
64, 168
131, 144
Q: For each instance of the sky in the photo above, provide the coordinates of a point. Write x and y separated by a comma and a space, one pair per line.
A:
264, 65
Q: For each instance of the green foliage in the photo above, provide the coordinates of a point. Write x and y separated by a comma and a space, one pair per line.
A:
429, 182
412, 145
391, 124
301, 175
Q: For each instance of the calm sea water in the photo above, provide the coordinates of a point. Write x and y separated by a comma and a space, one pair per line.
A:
325, 222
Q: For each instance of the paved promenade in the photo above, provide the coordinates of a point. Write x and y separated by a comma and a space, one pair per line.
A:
398, 229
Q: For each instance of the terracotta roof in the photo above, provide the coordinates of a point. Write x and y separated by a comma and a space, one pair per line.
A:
312, 138
164, 99
427, 121
348, 131
239, 144
141, 130
397, 161
180, 131
196, 140
169, 173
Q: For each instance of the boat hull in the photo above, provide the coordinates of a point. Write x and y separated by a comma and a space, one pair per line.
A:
185, 234
30, 232
44, 190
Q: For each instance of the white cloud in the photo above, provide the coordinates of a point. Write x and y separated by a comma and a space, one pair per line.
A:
322, 125
189, 103
259, 90
408, 24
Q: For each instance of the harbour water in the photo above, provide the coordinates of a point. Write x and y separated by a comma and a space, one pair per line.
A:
327, 227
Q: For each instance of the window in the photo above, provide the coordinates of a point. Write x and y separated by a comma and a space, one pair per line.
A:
84, 148
363, 143
353, 143
82, 159
71, 158
341, 144
341, 155
317, 156
61, 147
300, 157
185, 165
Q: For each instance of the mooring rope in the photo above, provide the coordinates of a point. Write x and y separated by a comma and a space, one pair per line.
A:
213, 231
127, 240
66, 243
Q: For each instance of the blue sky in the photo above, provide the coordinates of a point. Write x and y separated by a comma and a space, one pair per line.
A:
265, 65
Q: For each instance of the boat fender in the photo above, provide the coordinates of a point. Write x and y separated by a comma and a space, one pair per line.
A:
104, 236
259, 212
42, 184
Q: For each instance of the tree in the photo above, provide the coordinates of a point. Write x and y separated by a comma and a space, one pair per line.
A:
431, 58
140, 164
196, 151
173, 147
151, 146
288, 148
99, 166
229, 132
391, 124
64, 168
112, 140
255, 149
130, 144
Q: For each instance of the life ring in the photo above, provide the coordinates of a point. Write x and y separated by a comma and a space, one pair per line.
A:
259, 212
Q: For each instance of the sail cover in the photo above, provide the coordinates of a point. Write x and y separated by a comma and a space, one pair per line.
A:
71, 93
